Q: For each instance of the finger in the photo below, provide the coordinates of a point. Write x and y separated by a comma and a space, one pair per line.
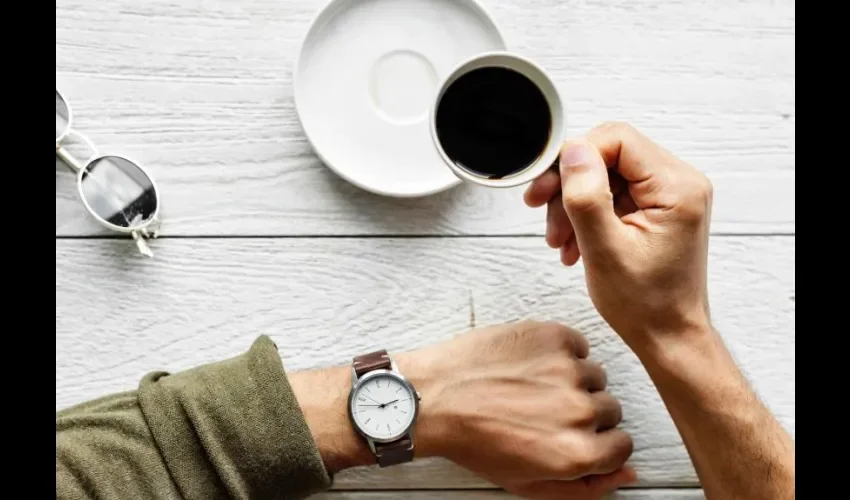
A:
624, 205
609, 411
570, 252
543, 189
558, 227
601, 484
587, 197
628, 151
617, 182
586, 488
610, 450
591, 375
581, 348
577, 489
652, 171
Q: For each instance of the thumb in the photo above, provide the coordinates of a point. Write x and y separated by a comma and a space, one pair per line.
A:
601, 485
585, 488
587, 196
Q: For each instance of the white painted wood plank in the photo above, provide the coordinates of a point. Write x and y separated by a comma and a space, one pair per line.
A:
323, 300
623, 494
200, 92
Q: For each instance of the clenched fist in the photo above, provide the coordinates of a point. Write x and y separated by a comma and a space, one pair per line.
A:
524, 406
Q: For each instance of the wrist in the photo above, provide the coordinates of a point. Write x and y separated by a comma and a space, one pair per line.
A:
323, 397
663, 343
428, 430
689, 357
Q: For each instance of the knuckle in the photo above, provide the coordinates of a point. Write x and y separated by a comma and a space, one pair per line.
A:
544, 333
568, 376
617, 127
583, 411
584, 456
706, 187
587, 201
552, 328
557, 335
529, 325
576, 344
692, 211
562, 464
626, 448
598, 371
616, 409
697, 202
559, 367
570, 339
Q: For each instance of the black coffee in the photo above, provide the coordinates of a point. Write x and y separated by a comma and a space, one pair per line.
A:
493, 122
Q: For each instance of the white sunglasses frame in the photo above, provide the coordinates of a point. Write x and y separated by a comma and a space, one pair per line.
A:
150, 228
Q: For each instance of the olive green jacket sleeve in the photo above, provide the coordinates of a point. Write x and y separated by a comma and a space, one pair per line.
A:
226, 430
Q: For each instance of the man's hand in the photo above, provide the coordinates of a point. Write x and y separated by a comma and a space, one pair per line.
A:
639, 218
521, 405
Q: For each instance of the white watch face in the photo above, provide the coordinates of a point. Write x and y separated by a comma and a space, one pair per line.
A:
382, 406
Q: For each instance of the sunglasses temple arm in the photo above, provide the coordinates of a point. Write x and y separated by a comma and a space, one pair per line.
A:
69, 160
142, 245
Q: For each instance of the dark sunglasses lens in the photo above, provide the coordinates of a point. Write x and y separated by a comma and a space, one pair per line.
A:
118, 191
62, 116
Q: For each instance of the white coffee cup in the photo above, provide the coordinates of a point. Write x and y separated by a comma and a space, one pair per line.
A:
541, 79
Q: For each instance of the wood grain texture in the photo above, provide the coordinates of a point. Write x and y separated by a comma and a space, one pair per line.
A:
624, 494
199, 92
323, 300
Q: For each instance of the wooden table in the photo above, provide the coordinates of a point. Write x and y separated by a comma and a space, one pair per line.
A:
259, 237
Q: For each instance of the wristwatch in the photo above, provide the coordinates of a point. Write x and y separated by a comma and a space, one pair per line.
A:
383, 406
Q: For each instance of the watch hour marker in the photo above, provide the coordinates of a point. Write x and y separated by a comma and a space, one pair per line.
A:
388, 428
403, 412
400, 388
396, 421
367, 420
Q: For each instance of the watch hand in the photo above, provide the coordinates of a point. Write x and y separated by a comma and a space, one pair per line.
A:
391, 402
369, 405
372, 399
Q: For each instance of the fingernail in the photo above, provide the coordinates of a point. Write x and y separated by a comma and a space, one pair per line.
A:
577, 153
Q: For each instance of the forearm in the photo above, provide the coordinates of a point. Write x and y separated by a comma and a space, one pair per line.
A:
738, 448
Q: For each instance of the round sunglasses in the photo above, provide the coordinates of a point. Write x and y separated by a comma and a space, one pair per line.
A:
115, 190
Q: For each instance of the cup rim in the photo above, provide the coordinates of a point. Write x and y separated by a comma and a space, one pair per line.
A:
553, 147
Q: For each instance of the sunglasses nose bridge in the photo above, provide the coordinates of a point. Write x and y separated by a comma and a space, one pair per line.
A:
67, 159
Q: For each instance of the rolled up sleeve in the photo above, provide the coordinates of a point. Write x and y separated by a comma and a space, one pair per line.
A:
231, 429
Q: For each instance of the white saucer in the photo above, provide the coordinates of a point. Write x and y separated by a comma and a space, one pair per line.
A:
364, 81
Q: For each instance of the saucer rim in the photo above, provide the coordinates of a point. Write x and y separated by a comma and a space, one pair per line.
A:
296, 63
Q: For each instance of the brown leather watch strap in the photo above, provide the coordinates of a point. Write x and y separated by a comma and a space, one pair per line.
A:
373, 361
394, 453
398, 451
